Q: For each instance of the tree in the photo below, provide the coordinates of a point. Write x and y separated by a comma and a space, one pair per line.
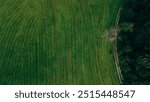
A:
126, 27
134, 42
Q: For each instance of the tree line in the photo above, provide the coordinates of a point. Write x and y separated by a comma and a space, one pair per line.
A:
134, 42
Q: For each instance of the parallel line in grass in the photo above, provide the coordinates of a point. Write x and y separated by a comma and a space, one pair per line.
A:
67, 43
17, 9
12, 59
64, 62
102, 47
57, 42
54, 43
99, 62
11, 36
10, 78
90, 66
28, 65
37, 54
108, 64
15, 17
6, 30
110, 67
29, 59
73, 48
46, 36
99, 66
44, 19
69, 58
36, 51
37, 48
104, 53
44, 8
85, 42
52, 48
98, 51
110, 70
33, 71
71, 40
84, 30
105, 67
113, 71
34, 54
66, 52
97, 75
29, 24
90, 10
19, 54
78, 38
33, 49
47, 44
7, 45
12, 19
11, 4
2, 53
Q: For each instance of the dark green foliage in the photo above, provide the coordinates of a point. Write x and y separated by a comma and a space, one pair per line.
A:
134, 42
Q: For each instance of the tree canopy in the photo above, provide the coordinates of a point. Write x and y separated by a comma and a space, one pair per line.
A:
134, 42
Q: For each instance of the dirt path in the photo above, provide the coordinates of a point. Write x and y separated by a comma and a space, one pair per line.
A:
115, 52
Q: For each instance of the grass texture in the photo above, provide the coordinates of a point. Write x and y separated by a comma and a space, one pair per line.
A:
56, 42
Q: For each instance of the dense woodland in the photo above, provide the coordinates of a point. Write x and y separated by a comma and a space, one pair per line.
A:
134, 42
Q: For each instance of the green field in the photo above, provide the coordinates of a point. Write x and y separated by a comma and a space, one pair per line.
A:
56, 42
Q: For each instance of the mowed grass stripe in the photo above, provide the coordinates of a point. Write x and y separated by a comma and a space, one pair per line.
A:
8, 25
86, 39
44, 14
7, 46
45, 24
19, 46
12, 57
29, 71
16, 48
91, 37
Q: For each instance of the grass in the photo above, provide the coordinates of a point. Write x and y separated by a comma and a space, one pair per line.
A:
56, 42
